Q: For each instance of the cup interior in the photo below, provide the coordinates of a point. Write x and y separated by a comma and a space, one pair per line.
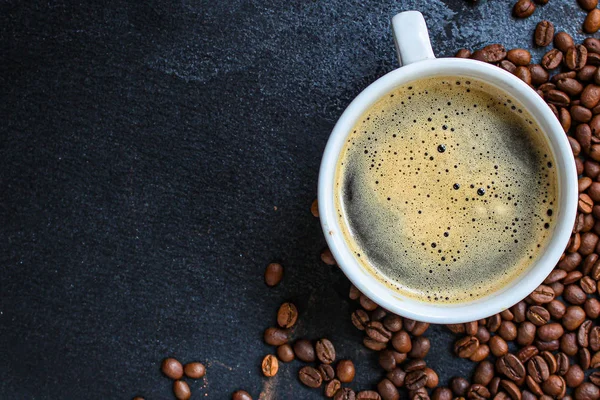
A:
505, 296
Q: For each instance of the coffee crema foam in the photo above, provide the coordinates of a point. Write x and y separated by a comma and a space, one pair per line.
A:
445, 190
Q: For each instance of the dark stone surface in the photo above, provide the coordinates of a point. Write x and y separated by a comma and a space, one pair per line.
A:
156, 155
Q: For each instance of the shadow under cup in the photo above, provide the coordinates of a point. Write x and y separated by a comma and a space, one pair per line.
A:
504, 294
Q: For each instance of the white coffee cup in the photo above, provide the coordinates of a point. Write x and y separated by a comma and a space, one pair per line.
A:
418, 62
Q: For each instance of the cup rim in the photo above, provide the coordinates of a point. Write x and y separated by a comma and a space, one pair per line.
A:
529, 279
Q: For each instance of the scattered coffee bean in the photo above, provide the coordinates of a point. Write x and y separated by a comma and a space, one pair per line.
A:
304, 350
591, 24
287, 315
285, 353
459, 386
420, 347
273, 274
345, 371
387, 360
332, 387
172, 368
181, 390
310, 377
241, 395
544, 32
194, 370
345, 394
270, 365
397, 377
511, 367
275, 336
387, 390
523, 8
415, 380
368, 395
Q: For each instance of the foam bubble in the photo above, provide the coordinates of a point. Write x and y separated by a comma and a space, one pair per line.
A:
440, 188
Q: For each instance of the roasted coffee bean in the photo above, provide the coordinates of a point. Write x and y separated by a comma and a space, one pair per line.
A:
378, 314
483, 335
583, 333
519, 311
575, 147
456, 328
415, 380
414, 365
595, 338
508, 330
401, 342
270, 365
397, 377
373, 344
570, 86
387, 361
459, 386
478, 392
526, 353
550, 345
463, 53
552, 59
511, 367
538, 315
588, 285
592, 45
564, 75
584, 183
562, 363
345, 371
498, 346
574, 242
392, 322
241, 395
574, 294
432, 378
512, 389
327, 257
360, 319
554, 386
595, 271
537, 368
325, 351
591, 168
579, 166
345, 394
507, 66
419, 394
523, 74
194, 370
542, 294
587, 391
572, 277
273, 274
585, 358
367, 303
479, 55
550, 360
592, 307
471, 328
533, 386
376, 331
327, 372
568, 344
442, 393
494, 53
549, 332
519, 57
494, 385
587, 5
580, 114
544, 32
181, 390
595, 377
419, 328
555, 276
172, 368
557, 97
304, 350
420, 347
595, 360
593, 59
576, 57
585, 203
354, 293
493, 322
332, 387
368, 395
556, 309
275, 336
314, 208
310, 377
484, 372
558, 288
587, 73
409, 324
399, 357
387, 390
527, 395
590, 96
466, 346
563, 41
574, 376
482, 352
287, 315
523, 8
591, 24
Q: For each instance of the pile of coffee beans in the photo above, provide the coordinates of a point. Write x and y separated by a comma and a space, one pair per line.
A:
591, 24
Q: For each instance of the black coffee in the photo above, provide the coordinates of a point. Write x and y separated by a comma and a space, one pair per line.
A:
446, 189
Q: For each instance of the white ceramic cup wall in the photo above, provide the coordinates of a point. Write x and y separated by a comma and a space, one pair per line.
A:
418, 62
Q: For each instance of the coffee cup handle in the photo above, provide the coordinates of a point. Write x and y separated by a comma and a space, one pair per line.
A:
411, 37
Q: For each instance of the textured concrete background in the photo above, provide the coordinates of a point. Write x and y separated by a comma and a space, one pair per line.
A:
155, 156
